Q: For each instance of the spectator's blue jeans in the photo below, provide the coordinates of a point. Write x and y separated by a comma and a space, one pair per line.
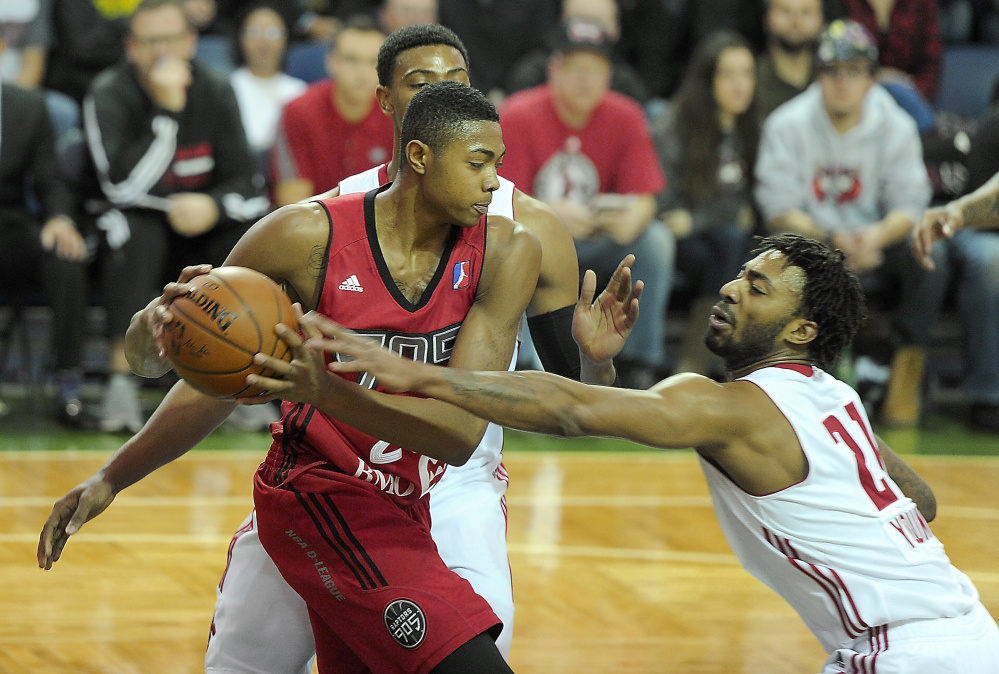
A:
976, 255
654, 250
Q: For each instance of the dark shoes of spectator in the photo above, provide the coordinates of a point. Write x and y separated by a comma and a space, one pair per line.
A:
985, 417
74, 413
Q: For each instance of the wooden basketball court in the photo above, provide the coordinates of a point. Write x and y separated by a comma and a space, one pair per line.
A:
618, 563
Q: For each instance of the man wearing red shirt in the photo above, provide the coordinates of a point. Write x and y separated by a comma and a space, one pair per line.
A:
335, 129
586, 151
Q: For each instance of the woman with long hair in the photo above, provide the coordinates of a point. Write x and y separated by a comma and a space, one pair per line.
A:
707, 140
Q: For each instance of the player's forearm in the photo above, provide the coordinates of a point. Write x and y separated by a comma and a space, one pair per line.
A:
430, 427
527, 401
981, 207
183, 419
909, 481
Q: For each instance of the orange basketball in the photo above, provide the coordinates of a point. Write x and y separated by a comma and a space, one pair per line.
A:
221, 324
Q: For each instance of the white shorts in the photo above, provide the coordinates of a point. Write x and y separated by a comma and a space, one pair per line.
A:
968, 644
261, 625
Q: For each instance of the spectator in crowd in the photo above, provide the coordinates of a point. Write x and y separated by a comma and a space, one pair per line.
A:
842, 163
972, 226
42, 248
26, 30
172, 158
532, 69
910, 50
314, 20
396, 14
336, 128
261, 88
88, 36
497, 34
706, 141
586, 151
787, 66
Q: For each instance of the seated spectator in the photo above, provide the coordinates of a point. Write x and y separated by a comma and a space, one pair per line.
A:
787, 66
531, 69
262, 90
842, 163
336, 128
974, 246
586, 151
42, 248
88, 36
172, 158
706, 140
26, 30
911, 52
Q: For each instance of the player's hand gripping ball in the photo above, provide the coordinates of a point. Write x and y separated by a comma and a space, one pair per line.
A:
219, 326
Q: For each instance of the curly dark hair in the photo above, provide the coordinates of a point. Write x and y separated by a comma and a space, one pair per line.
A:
832, 296
411, 37
438, 111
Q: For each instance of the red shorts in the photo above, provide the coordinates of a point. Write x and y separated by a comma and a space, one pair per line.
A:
380, 598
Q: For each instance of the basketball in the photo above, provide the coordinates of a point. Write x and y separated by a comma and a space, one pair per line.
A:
217, 328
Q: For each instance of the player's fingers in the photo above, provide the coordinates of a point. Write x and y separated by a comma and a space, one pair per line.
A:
195, 270
289, 336
269, 384
624, 285
588, 288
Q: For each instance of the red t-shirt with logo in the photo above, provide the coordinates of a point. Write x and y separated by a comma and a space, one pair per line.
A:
612, 154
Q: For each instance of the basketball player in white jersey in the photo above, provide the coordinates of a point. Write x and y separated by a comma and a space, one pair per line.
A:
812, 502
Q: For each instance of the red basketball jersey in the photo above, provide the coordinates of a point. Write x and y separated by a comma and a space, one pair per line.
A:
358, 292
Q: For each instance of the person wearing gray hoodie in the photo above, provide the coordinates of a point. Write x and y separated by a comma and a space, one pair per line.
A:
842, 163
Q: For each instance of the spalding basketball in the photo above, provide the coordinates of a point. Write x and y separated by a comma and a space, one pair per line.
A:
217, 328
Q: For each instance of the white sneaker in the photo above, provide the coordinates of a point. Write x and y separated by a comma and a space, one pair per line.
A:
120, 408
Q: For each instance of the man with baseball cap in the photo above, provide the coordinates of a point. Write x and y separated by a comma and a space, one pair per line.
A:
842, 163
586, 151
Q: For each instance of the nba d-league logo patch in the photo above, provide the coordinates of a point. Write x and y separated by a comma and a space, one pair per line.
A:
406, 623
462, 274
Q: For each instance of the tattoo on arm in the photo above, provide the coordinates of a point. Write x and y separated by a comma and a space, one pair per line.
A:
316, 261
911, 484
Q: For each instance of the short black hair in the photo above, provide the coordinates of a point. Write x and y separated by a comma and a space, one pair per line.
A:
411, 37
832, 296
438, 111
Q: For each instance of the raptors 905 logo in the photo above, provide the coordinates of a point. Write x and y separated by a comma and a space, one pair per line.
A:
406, 623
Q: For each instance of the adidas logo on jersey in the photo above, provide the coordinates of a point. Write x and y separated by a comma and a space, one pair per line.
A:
352, 284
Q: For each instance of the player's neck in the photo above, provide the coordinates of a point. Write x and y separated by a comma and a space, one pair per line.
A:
782, 357
403, 222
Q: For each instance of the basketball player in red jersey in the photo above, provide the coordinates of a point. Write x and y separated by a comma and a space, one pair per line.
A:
352, 502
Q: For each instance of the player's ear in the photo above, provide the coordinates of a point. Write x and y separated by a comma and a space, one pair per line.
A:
418, 154
384, 97
801, 331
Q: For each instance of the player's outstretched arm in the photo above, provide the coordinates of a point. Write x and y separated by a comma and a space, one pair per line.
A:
145, 348
184, 418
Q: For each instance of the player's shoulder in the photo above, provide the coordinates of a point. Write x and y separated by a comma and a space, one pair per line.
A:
536, 215
509, 238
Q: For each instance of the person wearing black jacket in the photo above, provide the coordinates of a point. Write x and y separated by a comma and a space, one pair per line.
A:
173, 162
40, 244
